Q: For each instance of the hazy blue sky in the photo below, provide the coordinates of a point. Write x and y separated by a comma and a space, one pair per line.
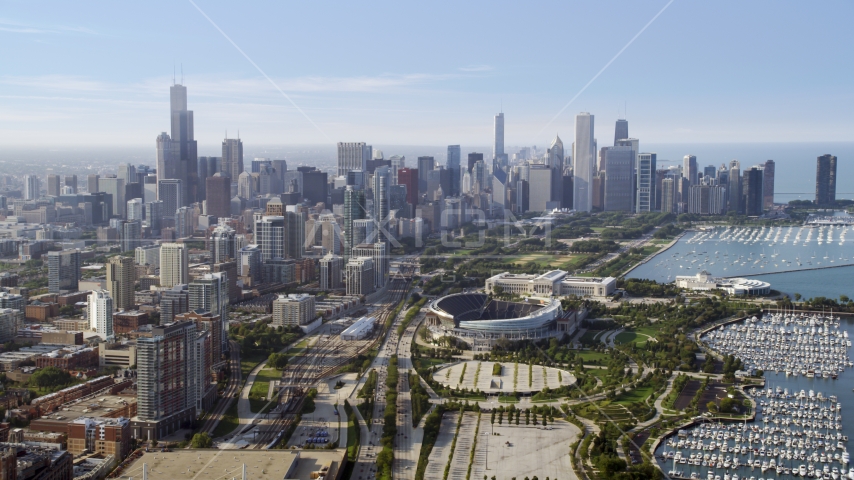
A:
435, 73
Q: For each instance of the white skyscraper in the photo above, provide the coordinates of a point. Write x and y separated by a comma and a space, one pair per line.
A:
100, 309
353, 156
174, 265
689, 169
583, 162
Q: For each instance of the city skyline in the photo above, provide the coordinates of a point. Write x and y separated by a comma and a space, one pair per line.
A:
443, 92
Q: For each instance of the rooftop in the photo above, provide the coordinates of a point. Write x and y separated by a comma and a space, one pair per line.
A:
212, 463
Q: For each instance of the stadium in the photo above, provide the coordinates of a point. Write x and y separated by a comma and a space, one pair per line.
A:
481, 321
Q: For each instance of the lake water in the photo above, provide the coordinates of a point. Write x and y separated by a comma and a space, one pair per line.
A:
786, 257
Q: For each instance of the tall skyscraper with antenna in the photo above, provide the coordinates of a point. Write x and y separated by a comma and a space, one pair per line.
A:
621, 130
498, 138
177, 155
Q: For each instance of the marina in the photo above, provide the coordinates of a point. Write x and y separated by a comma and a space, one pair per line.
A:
766, 253
797, 428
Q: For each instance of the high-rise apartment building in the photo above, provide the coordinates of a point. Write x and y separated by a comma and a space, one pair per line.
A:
210, 292
583, 163
768, 184
294, 246
355, 208
353, 156
751, 191
734, 203
707, 199
174, 301
154, 216
617, 167
331, 270
646, 182
270, 236
293, 310
92, 183
121, 276
63, 271
222, 245
218, 196
689, 169
668, 195
115, 187
99, 307
184, 222
453, 165
825, 180
147, 255
167, 377
378, 253
174, 264
232, 158
360, 276
135, 209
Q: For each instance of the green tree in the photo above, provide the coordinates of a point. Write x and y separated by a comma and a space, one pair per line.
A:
50, 377
201, 440
712, 407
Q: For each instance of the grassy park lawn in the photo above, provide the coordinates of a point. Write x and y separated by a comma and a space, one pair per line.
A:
635, 395
261, 387
229, 421
590, 356
590, 336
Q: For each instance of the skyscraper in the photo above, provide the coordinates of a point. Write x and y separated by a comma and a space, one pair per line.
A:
734, 191
397, 162
135, 209
360, 276
453, 166
99, 306
116, 187
232, 158
218, 196
184, 148
555, 162
210, 292
768, 184
131, 235
270, 236
618, 169
825, 180
751, 191
584, 163
667, 195
63, 271
646, 182
32, 187
170, 192
425, 166
294, 246
166, 375
120, 281
354, 209
382, 179
353, 156
222, 245
92, 183
331, 267
689, 169
154, 216
498, 140
409, 177
621, 130
53, 186
71, 182
174, 265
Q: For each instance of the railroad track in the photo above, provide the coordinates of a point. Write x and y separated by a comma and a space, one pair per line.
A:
231, 390
309, 369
